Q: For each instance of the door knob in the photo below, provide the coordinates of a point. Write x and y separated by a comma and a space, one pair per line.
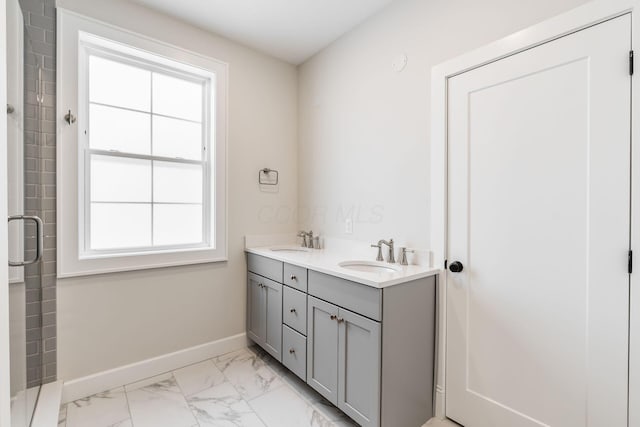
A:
456, 267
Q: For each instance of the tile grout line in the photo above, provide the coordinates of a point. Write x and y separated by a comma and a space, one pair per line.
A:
240, 394
126, 396
184, 396
306, 400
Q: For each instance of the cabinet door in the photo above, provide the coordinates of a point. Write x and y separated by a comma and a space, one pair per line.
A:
273, 318
256, 309
359, 368
322, 348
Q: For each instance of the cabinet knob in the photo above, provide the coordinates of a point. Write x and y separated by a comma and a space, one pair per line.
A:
291, 351
261, 285
293, 310
333, 317
340, 319
293, 277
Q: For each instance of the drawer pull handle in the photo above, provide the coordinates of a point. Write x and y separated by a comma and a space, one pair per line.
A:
333, 317
293, 277
291, 351
293, 310
340, 319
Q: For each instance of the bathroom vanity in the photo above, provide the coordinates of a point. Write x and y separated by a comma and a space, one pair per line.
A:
364, 340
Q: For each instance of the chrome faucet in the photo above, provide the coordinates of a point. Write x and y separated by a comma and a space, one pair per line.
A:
392, 257
379, 257
304, 235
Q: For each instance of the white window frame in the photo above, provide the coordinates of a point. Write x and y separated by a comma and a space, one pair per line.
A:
92, 46
79, 36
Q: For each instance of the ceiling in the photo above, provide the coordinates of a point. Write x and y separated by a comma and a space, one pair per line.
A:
292, 30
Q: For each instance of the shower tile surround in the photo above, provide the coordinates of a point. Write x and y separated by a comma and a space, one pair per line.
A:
40, 188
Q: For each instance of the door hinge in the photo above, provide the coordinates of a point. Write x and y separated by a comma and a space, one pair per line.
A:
631, 63
630, 262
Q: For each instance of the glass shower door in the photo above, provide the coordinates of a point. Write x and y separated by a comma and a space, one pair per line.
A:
25, 231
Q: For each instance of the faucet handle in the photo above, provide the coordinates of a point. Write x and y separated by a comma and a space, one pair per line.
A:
403, 255
303, 234
379, 257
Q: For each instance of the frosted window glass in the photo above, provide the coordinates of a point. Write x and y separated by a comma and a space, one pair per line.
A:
177, 138
177, 224
120, 225
118, 84
121, 130
177, 182
118, 179
177, 98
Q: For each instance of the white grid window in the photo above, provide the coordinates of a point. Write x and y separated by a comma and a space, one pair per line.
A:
146, 182
141, 174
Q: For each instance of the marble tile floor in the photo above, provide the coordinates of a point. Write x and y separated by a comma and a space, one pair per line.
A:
245, 388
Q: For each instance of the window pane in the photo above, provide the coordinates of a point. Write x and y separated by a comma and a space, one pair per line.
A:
177, 98
177, 224
120, 225
120, 130
177, 138
119, 179
177, 182
118, 84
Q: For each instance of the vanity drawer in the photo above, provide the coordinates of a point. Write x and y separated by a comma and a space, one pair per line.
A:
294, 309
296, 277
265, 267
294, 352
359, 298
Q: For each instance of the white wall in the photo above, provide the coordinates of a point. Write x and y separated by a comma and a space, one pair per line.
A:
364, 128
110, 320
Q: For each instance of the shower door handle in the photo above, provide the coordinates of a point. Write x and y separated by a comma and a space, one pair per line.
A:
39, 239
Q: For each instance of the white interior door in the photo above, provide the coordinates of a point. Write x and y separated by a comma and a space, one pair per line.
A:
538, 190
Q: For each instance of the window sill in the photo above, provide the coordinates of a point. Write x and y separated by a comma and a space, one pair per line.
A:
108, 255
107, 264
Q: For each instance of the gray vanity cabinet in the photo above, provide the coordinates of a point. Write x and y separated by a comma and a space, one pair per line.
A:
343, 360
264, 313
322, 348
359, 350
329, 331
256, 309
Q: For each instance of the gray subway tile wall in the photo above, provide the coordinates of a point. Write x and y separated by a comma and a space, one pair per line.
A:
40, 188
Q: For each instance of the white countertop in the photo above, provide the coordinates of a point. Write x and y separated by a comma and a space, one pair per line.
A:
326, 261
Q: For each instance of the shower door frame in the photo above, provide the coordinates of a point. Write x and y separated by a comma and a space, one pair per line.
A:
5, 397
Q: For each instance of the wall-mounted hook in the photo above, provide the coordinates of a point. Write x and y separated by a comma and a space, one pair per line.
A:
69, 118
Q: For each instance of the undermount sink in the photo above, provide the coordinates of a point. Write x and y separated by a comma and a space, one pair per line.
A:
369, 266
290, 249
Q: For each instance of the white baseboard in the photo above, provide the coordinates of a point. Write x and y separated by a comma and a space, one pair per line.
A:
106, 380
48, 407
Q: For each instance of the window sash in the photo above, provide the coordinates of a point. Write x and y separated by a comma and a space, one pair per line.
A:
208, 186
